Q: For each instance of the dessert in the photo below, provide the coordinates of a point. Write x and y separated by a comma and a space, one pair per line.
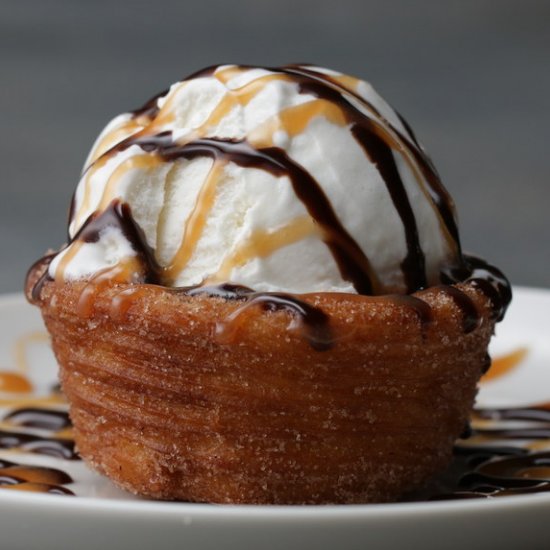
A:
263, 298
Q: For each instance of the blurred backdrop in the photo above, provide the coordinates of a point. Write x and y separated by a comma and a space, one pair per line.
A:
471, 76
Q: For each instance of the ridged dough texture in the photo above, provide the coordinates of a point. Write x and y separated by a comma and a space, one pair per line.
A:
166, 409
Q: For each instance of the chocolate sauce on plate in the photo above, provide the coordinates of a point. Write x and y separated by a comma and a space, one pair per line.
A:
30, 443
39, 479
42, 418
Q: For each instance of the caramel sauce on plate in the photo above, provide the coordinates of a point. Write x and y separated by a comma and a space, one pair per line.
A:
505, 364
36, 479
13, 382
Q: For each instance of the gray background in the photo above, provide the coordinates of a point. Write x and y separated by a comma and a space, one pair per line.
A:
472, 77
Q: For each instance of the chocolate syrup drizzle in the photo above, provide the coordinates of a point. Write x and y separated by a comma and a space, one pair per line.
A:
413, 265
25, 439
118, 215
438, 193
487, 278
61, 448
34, 284
40, 418
313, 320
486, 469
470, 314
379, 139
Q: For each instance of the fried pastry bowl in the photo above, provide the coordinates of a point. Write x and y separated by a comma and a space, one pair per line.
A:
263, 297
244, 400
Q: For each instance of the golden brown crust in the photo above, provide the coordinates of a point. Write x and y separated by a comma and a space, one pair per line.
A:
169, 407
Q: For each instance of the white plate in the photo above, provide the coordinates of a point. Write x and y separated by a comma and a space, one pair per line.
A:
103, 517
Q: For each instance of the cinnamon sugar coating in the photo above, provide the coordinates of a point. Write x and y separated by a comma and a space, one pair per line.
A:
173, 401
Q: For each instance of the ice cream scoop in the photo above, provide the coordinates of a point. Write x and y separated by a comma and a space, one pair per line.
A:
295, 179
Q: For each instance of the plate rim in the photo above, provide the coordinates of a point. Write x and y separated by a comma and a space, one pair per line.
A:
286, 513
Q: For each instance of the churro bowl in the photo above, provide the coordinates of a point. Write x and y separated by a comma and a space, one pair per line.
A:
213, 399
263, 297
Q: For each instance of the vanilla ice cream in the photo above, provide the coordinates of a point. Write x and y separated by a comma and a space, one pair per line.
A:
296, 179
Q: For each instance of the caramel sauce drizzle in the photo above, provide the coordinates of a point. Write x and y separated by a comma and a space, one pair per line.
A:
123, 301
263, 243
236, 97
140, 118
350, 258
68, 256
138, 162
294, 120
195, 224
78, 214
122, 272
126, 129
